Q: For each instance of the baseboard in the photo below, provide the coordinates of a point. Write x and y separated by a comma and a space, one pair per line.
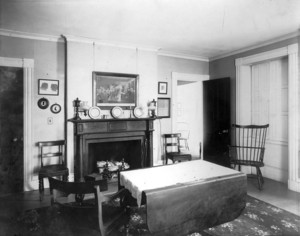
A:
294, 185
269, 172
274, 173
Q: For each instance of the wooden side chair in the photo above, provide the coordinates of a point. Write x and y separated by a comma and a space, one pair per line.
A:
89, 195
248, 148
172, 149
49, 151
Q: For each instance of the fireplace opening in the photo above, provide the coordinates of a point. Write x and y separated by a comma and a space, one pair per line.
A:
129, 150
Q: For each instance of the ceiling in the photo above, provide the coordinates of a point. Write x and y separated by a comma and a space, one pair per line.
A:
199, 28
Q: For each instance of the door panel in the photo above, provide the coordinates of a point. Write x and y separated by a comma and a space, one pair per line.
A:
11, 130
216, 120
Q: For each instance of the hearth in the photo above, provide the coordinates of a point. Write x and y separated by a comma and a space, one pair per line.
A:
116, 151
112, 140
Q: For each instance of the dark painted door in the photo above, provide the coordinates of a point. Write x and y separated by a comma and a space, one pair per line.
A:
216, 118
11, 130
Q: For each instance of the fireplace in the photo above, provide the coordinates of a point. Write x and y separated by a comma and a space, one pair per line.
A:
112, 140
117, 150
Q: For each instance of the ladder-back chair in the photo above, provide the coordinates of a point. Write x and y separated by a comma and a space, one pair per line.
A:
172, 149
49, 150
248, 148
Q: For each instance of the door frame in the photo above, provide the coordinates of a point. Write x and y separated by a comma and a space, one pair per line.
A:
243, 101
176, 76
28, 75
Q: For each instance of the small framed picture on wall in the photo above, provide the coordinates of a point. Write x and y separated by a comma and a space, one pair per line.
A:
162, 87
48, 87
163, 107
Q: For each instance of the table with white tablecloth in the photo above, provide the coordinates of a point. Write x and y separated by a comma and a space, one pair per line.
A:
183, 193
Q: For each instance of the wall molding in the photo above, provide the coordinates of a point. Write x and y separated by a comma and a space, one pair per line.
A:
33, 36
271, 172
181, 55
277, 53
276, 40
78, 39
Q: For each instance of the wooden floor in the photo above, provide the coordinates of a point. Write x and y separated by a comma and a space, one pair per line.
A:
277, 194
273, 192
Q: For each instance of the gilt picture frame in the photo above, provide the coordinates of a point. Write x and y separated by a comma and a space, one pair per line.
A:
115, 89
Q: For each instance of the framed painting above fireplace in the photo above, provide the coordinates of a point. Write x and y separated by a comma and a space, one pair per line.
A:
115, 89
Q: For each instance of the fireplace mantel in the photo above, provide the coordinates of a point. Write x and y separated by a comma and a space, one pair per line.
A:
90, 131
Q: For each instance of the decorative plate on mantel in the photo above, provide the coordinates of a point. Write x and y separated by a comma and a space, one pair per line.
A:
117, 112
95, 113
138, 112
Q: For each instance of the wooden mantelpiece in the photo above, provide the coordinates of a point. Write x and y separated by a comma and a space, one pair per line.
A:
90, 131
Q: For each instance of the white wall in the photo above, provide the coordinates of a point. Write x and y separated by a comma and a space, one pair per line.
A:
84, 58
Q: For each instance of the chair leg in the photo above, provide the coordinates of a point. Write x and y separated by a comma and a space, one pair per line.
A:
41, 188
260, 178
66, 178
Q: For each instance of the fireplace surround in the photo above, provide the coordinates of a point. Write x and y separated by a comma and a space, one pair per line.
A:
112, 140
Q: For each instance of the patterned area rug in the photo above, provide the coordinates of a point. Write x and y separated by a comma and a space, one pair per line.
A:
258, 218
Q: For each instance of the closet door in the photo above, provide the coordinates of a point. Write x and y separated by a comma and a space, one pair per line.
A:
216, 120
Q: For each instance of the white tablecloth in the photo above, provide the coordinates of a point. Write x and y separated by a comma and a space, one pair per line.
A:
136, 181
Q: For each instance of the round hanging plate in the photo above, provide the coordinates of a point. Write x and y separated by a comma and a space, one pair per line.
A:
55, 108
95, 112
43, 103
138, 112
116, 112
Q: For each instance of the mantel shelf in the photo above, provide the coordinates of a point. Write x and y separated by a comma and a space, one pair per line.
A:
109, 120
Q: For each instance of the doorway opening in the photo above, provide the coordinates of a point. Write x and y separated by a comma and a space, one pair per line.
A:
19, 143
187, 109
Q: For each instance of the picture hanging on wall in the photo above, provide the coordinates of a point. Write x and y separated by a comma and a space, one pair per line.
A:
48, 87
163, 107
162, 87
115, 89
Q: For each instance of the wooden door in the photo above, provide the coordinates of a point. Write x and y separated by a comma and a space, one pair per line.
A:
11, 130
216, 120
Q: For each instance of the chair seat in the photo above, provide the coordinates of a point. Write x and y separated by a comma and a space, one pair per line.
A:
179, 156
53, 170
247, 163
